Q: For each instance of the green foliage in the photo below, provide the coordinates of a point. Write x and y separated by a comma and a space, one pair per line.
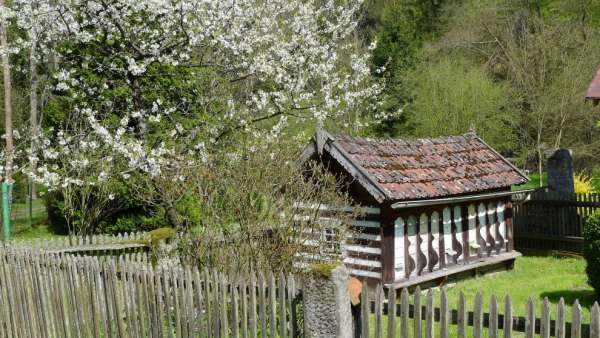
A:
403, 26
55, 206
451, 96
125, 213
591, 250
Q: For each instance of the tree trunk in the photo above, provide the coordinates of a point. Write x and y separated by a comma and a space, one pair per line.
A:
7, 100
33, 104
173, 217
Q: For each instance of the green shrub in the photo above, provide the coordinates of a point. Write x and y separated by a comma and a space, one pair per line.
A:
591, 250
123, 215
54, 207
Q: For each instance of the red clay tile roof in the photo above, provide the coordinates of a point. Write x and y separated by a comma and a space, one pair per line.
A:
593, 92
430, 168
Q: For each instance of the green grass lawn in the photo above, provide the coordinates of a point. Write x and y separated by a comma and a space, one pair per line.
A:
534, 182
533, 276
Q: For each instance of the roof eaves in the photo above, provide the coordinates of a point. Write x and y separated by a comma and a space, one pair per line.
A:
359, 173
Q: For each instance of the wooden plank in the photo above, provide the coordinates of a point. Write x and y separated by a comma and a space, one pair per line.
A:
224, 306
576, 320
595, 321
417, 315
478, 316
508, 317
429, 315
272, 306
253, 317
444, 320
244, 305
282, 306
262, 304
530, 319
291, 298
234, 310
545, 321
364, 306
461, 325
207, 303
391, 329
493, 329
560, 319
378, 311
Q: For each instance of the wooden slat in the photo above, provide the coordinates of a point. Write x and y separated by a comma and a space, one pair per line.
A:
462, 316
404, 301
545, 322
478, 316
444, 320
576, 320
508, 317
595, 321
417, 317
391, 329
530, 319
560, 319
364, 305
493, 329
429, 313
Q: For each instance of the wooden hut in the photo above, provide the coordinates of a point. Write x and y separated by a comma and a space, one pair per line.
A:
434, 207
593, 91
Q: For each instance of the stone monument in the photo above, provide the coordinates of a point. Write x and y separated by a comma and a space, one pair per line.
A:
559, 166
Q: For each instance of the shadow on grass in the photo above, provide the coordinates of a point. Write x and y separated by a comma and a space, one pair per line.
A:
586, 297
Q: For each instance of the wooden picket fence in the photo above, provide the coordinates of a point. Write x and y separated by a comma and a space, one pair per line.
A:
387, 316
58, 295
552, 221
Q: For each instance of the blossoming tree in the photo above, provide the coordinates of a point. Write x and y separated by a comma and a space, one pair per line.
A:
153, 87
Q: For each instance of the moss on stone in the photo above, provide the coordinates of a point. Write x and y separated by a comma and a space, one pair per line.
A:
162, 233
322, 270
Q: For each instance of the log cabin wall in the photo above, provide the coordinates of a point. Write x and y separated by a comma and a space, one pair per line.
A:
435, 238
361, 251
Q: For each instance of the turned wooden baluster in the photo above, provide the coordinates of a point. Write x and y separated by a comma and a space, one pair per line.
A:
410, 242
422, 243
434, 240
491, 224
399, 254
457, 244
482, 227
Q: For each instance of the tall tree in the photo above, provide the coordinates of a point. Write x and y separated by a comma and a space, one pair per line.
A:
8, 125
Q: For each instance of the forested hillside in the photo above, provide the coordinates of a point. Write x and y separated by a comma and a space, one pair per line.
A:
514, 71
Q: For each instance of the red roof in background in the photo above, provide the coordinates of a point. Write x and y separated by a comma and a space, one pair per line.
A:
430, 168
593, 92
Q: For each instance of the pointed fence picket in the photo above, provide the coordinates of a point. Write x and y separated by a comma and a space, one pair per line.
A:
428, 315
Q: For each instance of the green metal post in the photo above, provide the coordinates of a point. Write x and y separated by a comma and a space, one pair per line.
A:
6, 187
30, 200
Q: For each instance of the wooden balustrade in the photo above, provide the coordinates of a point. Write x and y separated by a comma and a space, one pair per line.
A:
426, 241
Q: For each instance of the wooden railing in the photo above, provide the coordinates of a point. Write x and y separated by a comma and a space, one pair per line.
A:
434, 240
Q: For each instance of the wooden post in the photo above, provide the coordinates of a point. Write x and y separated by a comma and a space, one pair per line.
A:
386, 232
508, 215
465, 232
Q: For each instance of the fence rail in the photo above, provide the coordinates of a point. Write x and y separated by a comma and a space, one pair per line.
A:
406, 321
